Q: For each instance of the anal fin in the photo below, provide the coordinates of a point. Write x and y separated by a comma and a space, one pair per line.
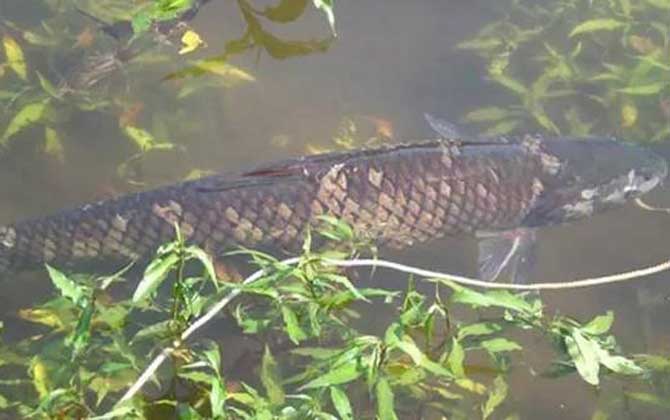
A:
511, 253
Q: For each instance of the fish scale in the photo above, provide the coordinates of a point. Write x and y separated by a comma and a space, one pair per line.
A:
395, 195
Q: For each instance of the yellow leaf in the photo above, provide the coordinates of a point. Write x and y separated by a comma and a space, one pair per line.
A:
230, 73
15, 57
27, 116
53, 145
628, 115
43, 316
39, 371
191, 41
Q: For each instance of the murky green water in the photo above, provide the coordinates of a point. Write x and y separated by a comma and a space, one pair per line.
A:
392, 61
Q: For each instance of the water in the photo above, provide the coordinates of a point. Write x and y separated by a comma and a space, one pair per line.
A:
393, 60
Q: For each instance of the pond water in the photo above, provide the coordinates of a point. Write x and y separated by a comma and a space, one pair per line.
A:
391, 62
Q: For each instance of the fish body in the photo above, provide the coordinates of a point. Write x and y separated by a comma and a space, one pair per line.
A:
398, 195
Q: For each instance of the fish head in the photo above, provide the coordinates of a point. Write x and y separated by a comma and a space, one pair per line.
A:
588, 176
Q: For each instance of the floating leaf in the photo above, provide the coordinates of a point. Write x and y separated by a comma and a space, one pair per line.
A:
15, 58
596, 25
191, 41
27, 116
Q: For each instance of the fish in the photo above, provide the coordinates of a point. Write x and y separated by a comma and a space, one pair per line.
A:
498, 190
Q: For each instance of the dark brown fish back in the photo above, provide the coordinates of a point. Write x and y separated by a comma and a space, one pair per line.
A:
397, 196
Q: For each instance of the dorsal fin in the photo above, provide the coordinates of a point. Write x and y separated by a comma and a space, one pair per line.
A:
444, 128
450, 130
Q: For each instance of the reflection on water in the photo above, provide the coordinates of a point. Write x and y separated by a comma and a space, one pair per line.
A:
395, 60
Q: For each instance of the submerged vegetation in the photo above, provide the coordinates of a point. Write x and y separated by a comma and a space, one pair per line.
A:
311, 355
83, 59
302, 341
578, 67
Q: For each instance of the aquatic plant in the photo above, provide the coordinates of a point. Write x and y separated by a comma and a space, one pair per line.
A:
310, 357
577, 67
87, 58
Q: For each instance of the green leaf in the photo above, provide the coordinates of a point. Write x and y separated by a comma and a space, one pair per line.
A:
511, 84
341, 403
67, 287
456, 359
584, 354
318, 353
154, 275
285, 10
27, 116
341, 375
502, 128
47, 86
496, 397
495, 298
204, 258
480, 328
596, 25
326, 6
53, 146
600, 324
217, 398
295, 333
500, 344
15, 57
491, 113
661, 4
650, 399
648, 89
385, 406
142, 138
481, 44
270, 378
619, 364
409, 347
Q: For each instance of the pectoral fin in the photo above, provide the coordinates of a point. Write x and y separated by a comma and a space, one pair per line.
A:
510, 252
